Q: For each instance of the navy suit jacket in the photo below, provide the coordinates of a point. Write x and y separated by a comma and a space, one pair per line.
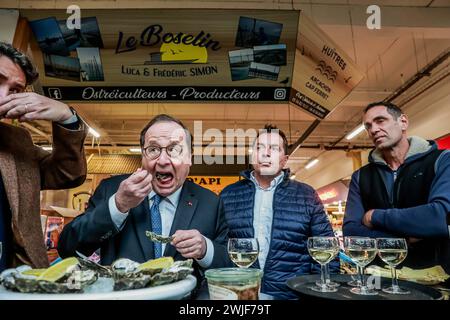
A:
197, 209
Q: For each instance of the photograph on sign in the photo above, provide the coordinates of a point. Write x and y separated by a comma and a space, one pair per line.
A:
90, 64
263, 71
240, 63
61, 67
49, 36
89, 34
272, 54
254, 32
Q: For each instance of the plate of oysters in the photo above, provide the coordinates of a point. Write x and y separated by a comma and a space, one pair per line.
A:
78, 278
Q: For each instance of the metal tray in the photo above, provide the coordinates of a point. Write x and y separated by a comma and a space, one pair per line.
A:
418, 291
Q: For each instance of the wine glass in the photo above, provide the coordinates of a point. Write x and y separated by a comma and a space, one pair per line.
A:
355, 282
393, 251
323, 250
362, 251
328, 281
243, 251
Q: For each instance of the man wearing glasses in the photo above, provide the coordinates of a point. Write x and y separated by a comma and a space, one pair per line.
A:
155, 198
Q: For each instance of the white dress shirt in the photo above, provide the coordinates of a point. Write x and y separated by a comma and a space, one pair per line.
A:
263, 215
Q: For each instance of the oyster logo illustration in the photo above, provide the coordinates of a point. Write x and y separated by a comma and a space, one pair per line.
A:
178, 53
327, 71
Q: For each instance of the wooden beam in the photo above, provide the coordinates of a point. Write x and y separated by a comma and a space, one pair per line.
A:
22, 35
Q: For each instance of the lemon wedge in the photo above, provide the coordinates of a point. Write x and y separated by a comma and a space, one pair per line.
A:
160, 263
34, 272
57, 271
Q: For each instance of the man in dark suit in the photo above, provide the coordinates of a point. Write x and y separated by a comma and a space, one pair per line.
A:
156, 197
25, 168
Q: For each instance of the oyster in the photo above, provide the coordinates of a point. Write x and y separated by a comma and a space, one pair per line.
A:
178, 271
157, 237
8, 280
57, 279
26, 283
128, 274
154, 266
85, 263
124, 266
76, 281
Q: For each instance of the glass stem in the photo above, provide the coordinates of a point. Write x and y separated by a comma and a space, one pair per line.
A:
322, 275
361, 277
394, 278
358, 270
327, 274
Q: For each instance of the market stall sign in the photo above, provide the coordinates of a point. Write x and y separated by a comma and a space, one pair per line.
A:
323, 73
160, 55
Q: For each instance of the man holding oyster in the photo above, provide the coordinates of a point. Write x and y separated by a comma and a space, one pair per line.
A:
155, 211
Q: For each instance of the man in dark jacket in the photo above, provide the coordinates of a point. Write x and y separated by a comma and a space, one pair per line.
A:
404, 191
281, 213
156, 198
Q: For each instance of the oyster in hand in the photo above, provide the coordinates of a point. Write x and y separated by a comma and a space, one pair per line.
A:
157, 237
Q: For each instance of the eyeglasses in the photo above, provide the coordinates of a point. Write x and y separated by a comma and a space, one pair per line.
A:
153, 152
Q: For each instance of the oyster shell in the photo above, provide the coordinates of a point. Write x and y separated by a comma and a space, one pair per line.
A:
138, 281
75, 282
21, 279
124, 266
157, 237
102, 271
127, 274
8, 280
26, 283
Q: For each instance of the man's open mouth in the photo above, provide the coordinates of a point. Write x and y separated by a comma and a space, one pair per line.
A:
164, 177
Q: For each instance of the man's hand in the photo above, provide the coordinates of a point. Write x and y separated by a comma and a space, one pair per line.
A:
29, 106
190, 243
133, 190
367, 219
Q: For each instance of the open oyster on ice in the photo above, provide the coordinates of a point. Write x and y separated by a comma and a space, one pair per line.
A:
128, 274
63, 277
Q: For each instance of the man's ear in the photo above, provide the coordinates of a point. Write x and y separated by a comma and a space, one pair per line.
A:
404, 122
285, 160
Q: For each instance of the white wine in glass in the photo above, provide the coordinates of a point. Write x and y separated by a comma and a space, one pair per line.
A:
243, 251
323, 250
393, 251
362, 251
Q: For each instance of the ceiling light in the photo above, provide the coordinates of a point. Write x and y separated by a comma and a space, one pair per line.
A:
355, 132
311, 164
292, 177
136, 150
48, 148
94, 133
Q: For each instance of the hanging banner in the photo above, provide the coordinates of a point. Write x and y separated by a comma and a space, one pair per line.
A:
160, 55
323, 73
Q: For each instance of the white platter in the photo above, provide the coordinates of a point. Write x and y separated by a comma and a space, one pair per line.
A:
171, 291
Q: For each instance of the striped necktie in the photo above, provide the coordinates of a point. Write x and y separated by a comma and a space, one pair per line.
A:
156, 224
